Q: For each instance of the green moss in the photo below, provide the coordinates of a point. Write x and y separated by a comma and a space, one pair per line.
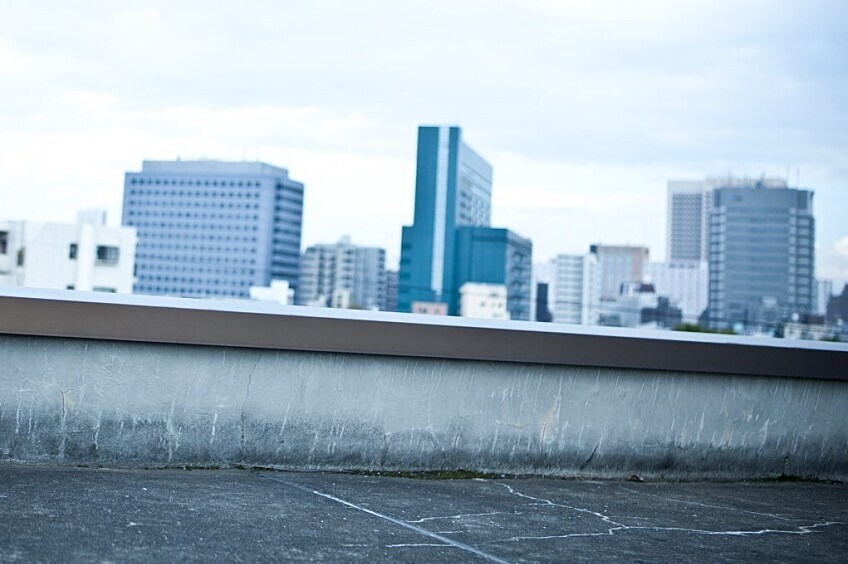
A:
458, 474
796, 478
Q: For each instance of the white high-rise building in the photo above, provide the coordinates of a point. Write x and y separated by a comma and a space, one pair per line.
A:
343, 273
87, 256
575, 289
823, 290
684, 282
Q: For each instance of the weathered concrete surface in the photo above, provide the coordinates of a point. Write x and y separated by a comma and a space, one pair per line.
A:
52, 514
101, 402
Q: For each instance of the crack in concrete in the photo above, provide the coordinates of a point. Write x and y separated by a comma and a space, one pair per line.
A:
591, 456
801, 530
463, 515
548, 502
446, 542
708, 505
244, 404
417, 544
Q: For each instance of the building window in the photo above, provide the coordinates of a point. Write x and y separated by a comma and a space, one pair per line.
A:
21, 256
69, 287
104, 289
107, 254
72, 251
4, 242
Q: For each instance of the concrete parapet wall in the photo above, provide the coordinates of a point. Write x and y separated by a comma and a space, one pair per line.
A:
125, 403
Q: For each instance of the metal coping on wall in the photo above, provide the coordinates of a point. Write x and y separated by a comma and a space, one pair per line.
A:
241, 323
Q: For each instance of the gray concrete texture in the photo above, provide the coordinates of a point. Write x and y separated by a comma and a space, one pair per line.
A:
141, 404
61, 514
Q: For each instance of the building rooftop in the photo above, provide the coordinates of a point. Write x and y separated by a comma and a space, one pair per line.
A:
52, 513
235, 168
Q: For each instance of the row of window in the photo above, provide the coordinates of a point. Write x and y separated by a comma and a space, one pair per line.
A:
104, 254
193, 280
199, 248
181, 266
152, 229
187, 291
155, 208
232, 258
190, 182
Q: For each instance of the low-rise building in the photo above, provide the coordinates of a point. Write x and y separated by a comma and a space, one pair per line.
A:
484, 301
343, 275
684, 282
87, 256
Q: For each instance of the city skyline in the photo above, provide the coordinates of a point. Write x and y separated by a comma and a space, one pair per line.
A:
585, 116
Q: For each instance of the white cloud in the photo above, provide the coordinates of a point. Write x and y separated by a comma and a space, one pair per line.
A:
584, 108
841, 247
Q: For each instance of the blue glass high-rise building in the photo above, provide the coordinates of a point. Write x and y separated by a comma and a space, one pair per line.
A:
495, 256
453, 191
213, 228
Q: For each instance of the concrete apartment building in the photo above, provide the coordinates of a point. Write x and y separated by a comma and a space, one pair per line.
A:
86, 256
213, 228
328, 270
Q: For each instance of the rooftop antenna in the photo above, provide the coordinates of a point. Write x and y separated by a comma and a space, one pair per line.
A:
798, 177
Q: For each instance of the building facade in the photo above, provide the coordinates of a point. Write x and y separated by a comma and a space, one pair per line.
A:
340, 269
685, 283
87, 256
822, 295
688, 215
391, 290
450, 241
689, 206
762, 256
483, 301
453, 188
575, 289
213, 228
494, 256
619, 265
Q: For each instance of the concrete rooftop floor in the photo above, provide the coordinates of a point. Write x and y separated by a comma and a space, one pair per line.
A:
60, 513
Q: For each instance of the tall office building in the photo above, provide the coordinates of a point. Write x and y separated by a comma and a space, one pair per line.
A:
688, 214
761, 256
213, 228
453, 191
689, 205
575, 289
391, 290
619, 265
86, 256
329, 268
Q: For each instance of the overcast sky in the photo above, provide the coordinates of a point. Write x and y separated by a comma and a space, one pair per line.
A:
584, 109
